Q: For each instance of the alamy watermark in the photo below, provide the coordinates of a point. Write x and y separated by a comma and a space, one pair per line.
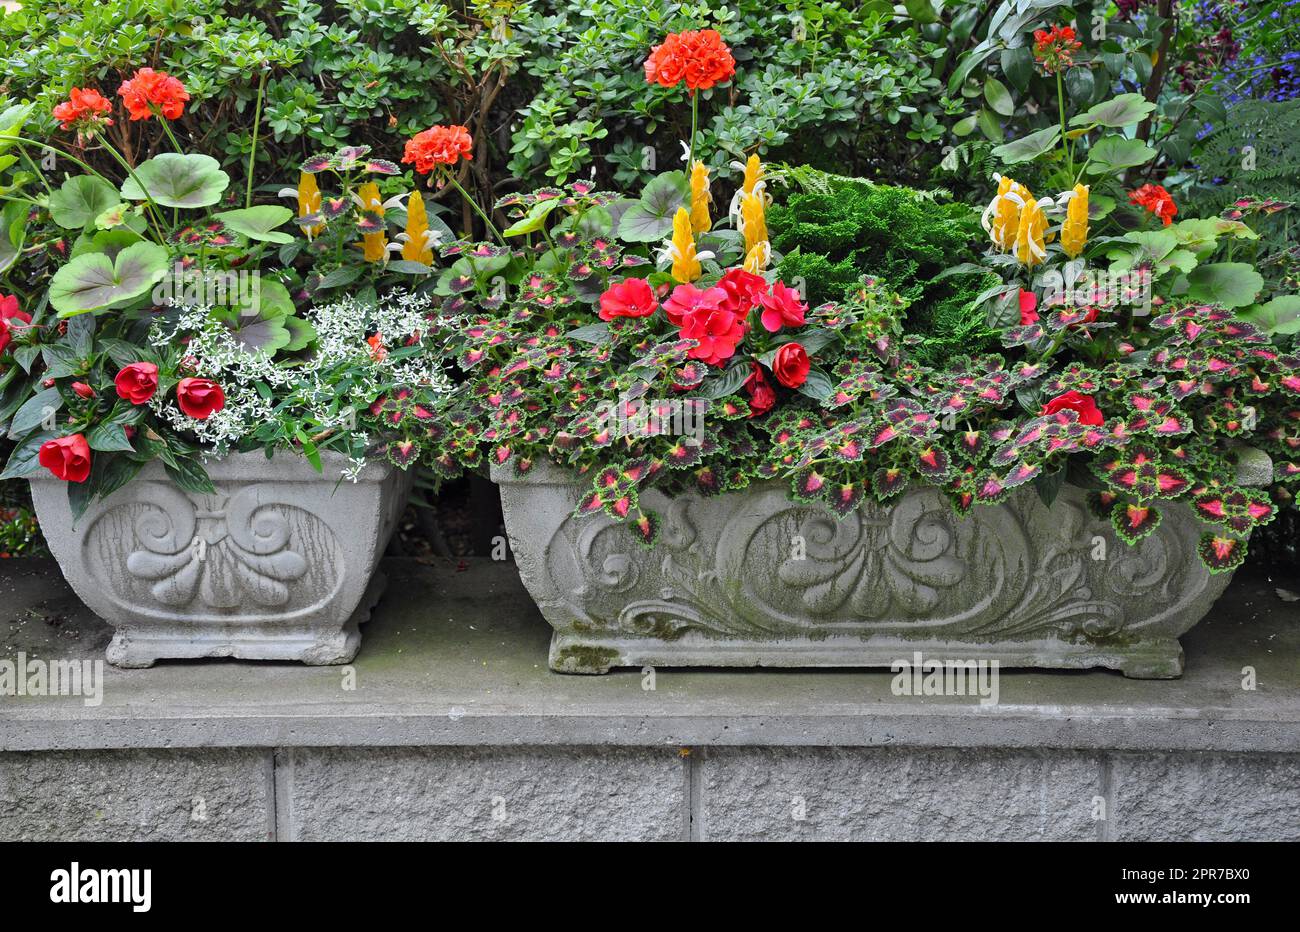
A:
667, 417
33, 677
1104, 289
922, 677
195, 287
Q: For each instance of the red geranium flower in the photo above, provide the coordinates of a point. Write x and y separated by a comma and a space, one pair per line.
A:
440, 145
700, 58
1055, 49
1155, 199
744, 289
632, 297
149, 92
790, 365
137, 382
1083, 405
68, 458
782, 307
84, 111
762, 396
200, 398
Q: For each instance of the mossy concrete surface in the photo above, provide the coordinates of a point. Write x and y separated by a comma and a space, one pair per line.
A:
450, 725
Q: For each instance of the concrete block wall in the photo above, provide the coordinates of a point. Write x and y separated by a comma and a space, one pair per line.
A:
669, 793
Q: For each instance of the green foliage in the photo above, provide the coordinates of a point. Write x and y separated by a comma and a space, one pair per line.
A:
842, 229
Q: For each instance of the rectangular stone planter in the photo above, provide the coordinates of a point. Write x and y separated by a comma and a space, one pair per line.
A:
753, 578
278, 564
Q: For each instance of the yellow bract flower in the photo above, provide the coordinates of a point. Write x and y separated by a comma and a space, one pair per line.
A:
309, 202
753, 220
1002, 217
374, 246
757, 259
700, 198
1029, 247
416, 248
753, 174
1074, 231
686, 267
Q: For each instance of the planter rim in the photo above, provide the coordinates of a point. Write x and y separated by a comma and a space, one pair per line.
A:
287, 465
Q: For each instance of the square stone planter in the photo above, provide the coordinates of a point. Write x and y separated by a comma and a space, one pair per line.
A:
753, 578
278, 564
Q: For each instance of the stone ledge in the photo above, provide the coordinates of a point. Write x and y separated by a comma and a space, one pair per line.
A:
458, 658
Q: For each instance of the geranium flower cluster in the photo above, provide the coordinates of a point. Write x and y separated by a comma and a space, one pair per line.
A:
146, 94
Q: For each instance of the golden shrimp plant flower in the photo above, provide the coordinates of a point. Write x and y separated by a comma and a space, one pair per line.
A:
374, 242
417, 240
1074, 229
680, 250
1001, 219
753, 221
1030, 247
309, 202
700, 198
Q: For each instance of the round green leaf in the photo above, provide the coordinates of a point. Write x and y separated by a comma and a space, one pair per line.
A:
175, 180
1232, 284
1028, 148
1124, 110
259, 223
1080, 84
93, 281
80, 199
1281, 315
1116, 153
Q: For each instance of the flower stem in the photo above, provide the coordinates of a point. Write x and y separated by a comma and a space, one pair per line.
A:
257, 124
695, 122
477, 209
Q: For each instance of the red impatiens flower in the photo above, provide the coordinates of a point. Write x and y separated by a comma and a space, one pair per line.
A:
790, 365
744, 289
1028, 308
440, 145
137, 382
701, 315
1083, 405
84, 111
1054, 49
200, 398
782, 307
762, 396
11, 320
700, 58
82, 390
150, 92
632, 297
67, 457
1155, 199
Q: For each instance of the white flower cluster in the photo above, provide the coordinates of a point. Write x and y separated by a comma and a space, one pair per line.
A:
255, 384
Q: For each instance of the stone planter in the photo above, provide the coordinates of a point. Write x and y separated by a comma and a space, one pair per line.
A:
755, 579
279, 564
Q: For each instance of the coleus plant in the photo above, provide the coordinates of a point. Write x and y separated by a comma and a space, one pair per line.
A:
582, 346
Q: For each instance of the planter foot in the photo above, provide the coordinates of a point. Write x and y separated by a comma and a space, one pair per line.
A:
121, 652
1162, 660
573, 655
342, 647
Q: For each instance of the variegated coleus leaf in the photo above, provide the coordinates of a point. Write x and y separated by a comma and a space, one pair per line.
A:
1241, 510
1074, 377
1140, 473
1221, 553
1133, 521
